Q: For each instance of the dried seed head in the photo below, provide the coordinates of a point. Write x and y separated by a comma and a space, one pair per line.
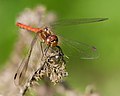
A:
54, 66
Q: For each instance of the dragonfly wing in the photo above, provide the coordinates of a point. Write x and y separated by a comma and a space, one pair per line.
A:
20, 76
17, 74
84, 51
68, 22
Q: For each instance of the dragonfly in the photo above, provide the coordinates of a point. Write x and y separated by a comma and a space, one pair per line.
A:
50, 39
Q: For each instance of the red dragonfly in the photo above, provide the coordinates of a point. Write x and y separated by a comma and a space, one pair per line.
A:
51, 40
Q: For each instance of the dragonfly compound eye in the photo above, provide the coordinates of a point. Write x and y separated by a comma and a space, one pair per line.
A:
52, 40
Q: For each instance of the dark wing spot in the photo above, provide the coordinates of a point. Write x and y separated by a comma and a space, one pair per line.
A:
20, 75
15, 76
94, 48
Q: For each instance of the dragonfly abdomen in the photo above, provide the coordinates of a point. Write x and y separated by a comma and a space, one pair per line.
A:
29, 28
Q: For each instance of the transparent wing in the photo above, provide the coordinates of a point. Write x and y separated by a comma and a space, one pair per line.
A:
20, 75
69, 22
81, 50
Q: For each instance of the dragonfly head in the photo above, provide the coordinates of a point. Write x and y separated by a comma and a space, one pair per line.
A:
52, 40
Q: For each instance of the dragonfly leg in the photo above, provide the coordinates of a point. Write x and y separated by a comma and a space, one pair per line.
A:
46, 50
41, 45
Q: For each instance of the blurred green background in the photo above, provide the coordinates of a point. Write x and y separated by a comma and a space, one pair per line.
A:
103, 72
